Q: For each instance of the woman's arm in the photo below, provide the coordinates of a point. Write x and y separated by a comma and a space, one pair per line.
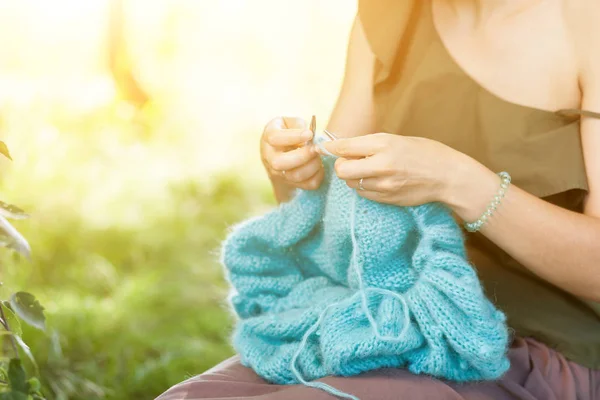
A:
352, 115
590, 128
354, 112
561, 246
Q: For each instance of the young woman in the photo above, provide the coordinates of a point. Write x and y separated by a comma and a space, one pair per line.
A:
438, 96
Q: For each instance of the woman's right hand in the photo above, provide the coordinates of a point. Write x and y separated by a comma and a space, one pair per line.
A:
288, 154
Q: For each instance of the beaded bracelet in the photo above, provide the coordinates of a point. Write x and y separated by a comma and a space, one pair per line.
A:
476, 225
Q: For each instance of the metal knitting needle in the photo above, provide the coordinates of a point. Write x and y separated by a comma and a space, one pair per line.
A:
313, 128
329, 135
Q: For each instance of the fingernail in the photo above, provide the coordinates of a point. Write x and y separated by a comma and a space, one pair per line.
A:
306, 135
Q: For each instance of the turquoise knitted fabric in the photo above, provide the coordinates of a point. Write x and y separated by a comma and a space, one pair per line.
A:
331, 283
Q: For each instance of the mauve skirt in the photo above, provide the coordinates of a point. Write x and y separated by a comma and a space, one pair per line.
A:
536, 373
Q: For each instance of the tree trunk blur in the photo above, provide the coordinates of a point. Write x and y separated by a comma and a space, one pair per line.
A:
120, 63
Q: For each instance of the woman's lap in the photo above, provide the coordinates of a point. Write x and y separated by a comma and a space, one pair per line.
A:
536, 373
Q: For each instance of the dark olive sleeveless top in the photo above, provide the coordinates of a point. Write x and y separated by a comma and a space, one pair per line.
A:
419, 90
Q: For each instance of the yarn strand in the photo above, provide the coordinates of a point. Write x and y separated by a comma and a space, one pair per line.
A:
364, 290
351, 286
317, 385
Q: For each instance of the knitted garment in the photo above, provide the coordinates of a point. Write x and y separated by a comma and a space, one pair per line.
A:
331, 283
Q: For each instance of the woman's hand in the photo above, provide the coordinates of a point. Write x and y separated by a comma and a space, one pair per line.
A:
399, 170
288, 155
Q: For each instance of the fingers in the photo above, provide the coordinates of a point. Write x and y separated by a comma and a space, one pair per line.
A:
304, 172
289, 160
371, 188
287, 131
362, 168
280, 123
286, 153
314, 182
368, 184
359, 146
288, 137
293, 123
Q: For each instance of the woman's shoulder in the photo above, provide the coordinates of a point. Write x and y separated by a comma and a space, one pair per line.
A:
384, 9
384, 23
380, 16
581, 11
582, 22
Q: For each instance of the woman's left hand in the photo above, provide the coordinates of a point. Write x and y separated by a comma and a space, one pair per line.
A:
399, 170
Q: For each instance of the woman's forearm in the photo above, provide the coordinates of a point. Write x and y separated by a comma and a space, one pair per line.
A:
354, 111
559, 245
282, 191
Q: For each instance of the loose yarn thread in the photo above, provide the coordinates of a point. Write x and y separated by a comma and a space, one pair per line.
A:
381, 287
362, 291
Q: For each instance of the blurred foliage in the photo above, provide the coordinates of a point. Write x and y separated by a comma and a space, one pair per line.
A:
125, 241
132, 311
129, 199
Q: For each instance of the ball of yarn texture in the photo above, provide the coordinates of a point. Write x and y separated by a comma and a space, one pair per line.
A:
331, 283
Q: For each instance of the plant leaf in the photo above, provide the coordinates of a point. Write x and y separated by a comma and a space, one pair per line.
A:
11, 238
33, 385
17, 376
4, 150
7, 342
13, 321
26, 349
12, 211
27, 308
7, 350
27, 352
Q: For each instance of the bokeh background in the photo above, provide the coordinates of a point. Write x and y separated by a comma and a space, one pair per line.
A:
134, 129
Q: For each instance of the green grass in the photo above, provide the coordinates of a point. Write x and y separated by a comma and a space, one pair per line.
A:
132, 308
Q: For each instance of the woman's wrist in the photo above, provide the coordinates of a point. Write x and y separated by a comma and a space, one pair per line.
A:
282, 190
470, 188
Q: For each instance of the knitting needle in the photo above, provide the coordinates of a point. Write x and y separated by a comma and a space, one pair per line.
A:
313, 128
329, 135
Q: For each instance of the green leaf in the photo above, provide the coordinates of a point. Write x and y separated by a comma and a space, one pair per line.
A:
11, 318
30, 310
10, 352
33, 385
8, 345
4, 150
27, 350
12, 211
11, 238
6, 348
17, 376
